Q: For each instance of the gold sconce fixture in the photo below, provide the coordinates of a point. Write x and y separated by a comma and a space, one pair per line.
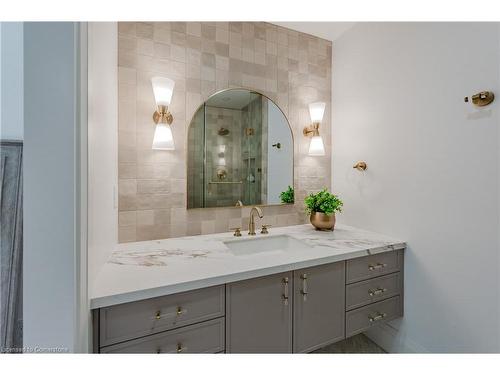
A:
163, 115
360, 166
163, 88
316, 111
481, 99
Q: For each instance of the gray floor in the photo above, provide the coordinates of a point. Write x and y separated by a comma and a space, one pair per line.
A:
356, 344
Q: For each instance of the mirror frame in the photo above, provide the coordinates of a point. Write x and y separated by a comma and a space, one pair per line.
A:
186, 144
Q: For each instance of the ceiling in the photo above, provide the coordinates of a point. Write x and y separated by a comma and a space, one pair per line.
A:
326, 30
231, 99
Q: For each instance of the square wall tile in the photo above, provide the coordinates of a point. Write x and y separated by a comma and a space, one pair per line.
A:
290, 67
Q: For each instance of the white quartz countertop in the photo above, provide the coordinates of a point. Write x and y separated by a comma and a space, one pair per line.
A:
149, 269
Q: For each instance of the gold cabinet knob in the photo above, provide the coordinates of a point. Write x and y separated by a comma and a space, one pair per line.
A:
180, 311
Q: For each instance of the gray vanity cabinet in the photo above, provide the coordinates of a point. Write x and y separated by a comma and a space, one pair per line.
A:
289, 312
192, 321
259, 315
205, 337
318, 306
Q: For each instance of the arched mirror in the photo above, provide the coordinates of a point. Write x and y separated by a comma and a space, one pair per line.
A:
239, 151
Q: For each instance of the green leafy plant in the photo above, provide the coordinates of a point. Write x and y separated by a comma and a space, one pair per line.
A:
324, 202
287, 196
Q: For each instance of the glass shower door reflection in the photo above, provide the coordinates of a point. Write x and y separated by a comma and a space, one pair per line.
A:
228, 151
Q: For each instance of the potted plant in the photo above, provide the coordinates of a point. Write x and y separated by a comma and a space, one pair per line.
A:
287, 196
321, 208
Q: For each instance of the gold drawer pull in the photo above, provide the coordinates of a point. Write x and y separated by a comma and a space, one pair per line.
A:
376, 292
377, 266
178, 312
285, 294
379, 316
304, 291
179, 349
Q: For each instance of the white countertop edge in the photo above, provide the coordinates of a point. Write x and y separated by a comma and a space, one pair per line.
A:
105, 301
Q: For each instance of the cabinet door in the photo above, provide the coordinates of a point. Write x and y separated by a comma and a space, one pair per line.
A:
319, 306
259, 315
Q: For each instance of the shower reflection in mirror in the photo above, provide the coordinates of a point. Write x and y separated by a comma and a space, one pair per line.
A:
240, 149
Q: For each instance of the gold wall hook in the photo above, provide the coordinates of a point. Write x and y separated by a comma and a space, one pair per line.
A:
481, 99
360, 166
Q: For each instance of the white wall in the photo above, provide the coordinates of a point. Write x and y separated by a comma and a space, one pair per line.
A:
103, 147
11, 87
53, 187
433, 171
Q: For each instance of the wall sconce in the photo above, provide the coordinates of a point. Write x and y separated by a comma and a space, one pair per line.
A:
163, 89
316, 147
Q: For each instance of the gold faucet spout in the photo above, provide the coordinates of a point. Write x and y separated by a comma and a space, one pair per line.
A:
251, 222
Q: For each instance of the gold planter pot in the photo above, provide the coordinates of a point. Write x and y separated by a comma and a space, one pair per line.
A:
322, 221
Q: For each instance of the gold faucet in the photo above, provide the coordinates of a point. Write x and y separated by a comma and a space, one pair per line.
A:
251, 222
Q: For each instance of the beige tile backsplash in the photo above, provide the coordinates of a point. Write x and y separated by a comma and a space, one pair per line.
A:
291, 68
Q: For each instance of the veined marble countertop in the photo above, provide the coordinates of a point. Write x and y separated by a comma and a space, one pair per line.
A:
141, 270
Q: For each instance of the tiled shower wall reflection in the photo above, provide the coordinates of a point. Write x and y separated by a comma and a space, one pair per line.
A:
292, 68
223, 194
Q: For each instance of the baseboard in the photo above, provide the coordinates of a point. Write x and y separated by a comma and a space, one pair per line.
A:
392, 340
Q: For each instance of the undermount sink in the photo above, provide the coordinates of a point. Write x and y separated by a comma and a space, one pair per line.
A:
271, 244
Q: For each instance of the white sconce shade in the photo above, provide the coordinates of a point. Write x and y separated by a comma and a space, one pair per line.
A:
163, 89
316, 147
316, 110
163, 138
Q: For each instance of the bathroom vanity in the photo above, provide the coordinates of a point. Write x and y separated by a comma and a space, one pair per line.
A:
291, 291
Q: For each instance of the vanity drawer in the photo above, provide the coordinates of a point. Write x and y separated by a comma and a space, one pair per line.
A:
372, 290
373, 265
136, 319
206, 337
361, 319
